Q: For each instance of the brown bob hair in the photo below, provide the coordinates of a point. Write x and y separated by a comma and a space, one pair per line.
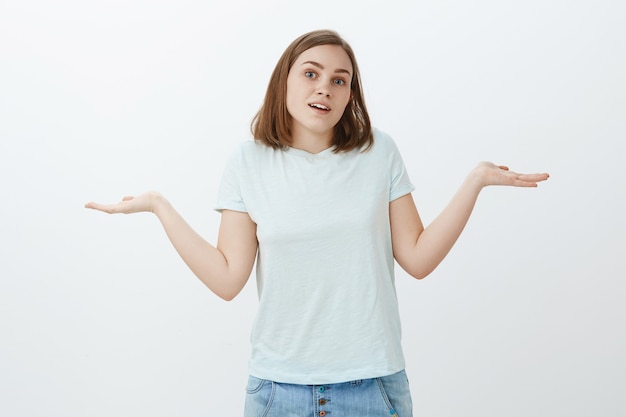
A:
271, 125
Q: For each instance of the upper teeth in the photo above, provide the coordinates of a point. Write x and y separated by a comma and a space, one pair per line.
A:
319, 106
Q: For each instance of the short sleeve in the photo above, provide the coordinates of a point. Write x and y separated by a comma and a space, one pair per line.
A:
229, 196
400, 184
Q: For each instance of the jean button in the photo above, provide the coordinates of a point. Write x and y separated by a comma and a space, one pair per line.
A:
322, 413
322, 401
321, 389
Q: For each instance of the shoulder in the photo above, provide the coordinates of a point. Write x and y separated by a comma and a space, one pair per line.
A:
383, 142
250, 149
380, 134
249, 146
250, 157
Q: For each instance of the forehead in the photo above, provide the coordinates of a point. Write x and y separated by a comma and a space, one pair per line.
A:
330, 56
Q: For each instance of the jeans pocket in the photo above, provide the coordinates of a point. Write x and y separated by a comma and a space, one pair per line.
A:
397, 394
259, 397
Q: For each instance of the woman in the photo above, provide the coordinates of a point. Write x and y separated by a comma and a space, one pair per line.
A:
323, 202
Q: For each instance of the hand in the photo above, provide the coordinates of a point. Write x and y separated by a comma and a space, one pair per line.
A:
142, 203
490, 174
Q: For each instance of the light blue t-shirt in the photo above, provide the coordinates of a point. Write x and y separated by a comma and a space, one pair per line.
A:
328, 309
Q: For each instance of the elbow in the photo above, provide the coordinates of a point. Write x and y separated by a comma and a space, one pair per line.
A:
225, 286
418, 271
417, 267
419, 275
227, 292
226, 295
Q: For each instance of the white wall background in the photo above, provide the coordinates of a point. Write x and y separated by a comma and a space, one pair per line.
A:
98, 315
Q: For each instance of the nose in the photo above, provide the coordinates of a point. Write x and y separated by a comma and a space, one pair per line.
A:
323, 90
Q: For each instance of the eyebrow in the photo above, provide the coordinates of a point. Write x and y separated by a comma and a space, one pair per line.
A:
320, 66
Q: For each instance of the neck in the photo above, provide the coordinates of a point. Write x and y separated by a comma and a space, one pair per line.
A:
311, 142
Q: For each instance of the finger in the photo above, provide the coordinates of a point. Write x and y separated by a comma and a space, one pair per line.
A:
530, 180
107, 208
503, 167
92, 205
534, 177
521, 183
95, 206
128, 197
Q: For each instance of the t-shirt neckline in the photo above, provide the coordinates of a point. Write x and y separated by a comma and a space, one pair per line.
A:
302, 153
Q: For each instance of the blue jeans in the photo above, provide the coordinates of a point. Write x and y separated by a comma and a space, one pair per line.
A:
388, 396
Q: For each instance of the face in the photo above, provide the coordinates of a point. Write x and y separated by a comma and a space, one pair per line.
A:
318, 91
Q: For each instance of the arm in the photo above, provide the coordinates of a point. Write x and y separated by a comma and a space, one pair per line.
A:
224, 268
419, 250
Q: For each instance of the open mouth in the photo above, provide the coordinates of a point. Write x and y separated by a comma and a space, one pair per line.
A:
319, 106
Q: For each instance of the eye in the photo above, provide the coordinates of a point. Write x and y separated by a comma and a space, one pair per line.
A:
310, 74
339, 81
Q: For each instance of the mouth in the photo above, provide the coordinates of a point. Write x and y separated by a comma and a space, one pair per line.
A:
319, 106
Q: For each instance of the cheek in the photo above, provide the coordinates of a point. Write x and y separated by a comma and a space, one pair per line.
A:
290, 103
294, 91
345, 100
289, 97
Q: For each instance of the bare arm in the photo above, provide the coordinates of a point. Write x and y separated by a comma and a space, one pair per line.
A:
224, 268
419, 250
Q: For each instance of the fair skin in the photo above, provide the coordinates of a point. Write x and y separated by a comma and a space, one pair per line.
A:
318, 90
